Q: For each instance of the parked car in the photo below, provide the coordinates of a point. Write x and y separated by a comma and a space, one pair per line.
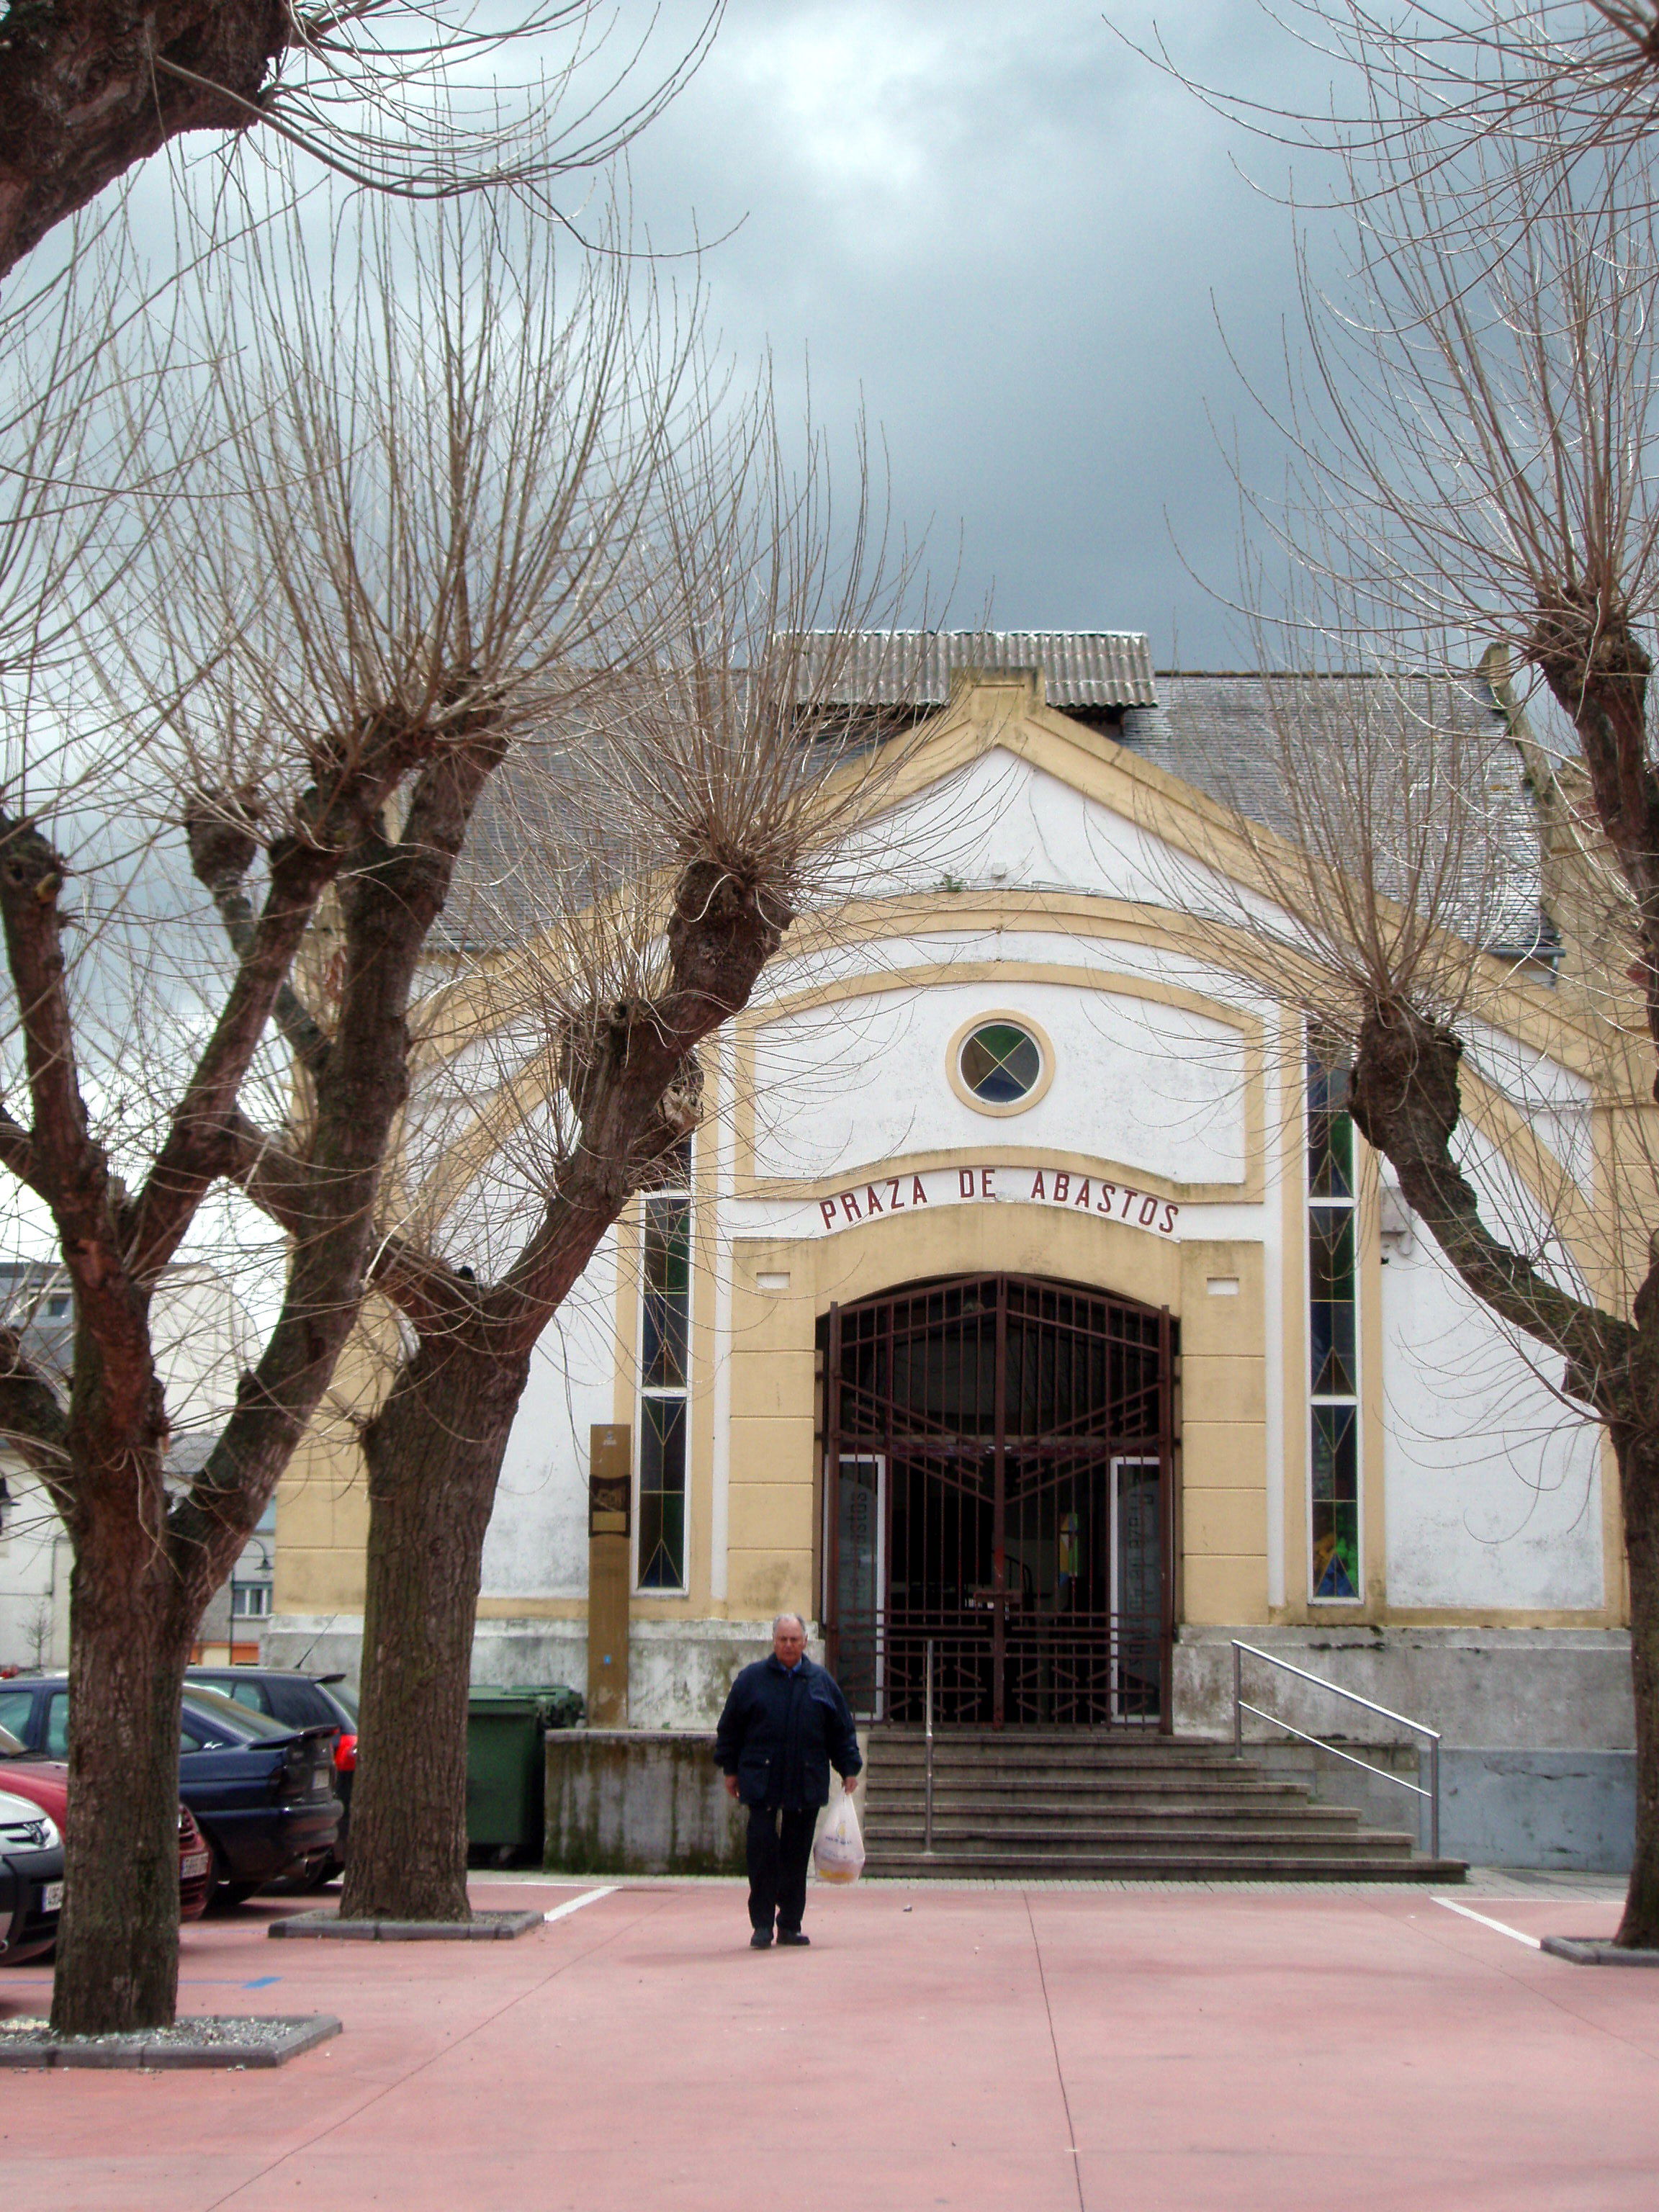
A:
262, 1792
303, 1701
45, 1783
31, 1878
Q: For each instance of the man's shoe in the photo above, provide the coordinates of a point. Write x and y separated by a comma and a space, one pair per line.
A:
792, 1937
761, 1939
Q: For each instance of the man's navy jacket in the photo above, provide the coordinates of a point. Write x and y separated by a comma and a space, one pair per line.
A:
780, 1733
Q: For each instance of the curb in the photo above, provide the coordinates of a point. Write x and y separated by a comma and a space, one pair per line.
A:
1593, 1951
482, 1928
129, 2053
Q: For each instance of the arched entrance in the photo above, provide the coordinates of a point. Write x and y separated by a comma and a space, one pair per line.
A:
999, 1484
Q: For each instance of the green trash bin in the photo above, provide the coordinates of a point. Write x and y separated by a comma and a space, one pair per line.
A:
505, 1766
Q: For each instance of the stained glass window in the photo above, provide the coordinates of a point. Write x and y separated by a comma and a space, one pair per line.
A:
665, 1372
1332, 1318
1001, 1063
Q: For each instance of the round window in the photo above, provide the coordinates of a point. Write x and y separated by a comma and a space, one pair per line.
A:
1001, 1063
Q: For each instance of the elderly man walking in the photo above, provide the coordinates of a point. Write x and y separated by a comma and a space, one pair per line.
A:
785, 1723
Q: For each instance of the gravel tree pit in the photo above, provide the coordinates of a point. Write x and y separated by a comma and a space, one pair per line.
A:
256, 2039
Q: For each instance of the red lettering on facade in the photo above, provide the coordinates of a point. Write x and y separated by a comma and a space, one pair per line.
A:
1060, 1186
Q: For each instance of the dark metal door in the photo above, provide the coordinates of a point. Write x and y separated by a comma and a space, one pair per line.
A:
999, 1484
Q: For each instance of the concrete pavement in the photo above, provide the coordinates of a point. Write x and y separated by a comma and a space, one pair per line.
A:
1052, 2051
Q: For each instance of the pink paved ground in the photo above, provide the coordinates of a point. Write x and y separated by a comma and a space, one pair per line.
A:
1086, 2051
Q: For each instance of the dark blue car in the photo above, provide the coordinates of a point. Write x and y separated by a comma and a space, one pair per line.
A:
262, 1790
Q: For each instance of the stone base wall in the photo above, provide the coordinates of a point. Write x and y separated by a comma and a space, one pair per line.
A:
1570, 1811
679, 1671
1510, 1689
326, 1643
638, 1800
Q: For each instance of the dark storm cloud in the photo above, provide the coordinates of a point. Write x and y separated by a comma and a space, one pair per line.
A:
1016, 240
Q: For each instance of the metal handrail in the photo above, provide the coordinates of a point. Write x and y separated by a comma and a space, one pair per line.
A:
927, 1783
1353, 1697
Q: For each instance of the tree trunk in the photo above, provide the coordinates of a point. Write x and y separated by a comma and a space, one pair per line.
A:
434, 1456
1638, 1472
118, 1948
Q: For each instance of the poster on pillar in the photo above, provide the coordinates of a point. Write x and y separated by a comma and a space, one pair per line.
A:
609, 1498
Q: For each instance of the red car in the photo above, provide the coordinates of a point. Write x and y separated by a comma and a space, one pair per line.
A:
45, 1783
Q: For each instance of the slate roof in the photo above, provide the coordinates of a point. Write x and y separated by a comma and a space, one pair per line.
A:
1220, 732
1215, 731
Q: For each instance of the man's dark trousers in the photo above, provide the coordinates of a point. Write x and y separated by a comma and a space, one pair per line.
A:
779, 1844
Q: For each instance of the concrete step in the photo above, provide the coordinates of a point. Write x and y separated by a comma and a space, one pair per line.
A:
1053, 1776
1166, 1865
1089, 1788
1018, 1763
1010, 1819
1067, 1843
1067, 1804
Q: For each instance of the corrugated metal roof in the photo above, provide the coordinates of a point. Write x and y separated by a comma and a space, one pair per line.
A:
893, 667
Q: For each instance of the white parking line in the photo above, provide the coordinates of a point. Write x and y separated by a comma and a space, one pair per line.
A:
1470, 1913
575, 1904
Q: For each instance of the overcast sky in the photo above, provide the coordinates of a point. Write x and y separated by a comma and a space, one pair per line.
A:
1022, 245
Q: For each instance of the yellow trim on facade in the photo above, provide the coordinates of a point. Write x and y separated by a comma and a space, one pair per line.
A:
1111, 983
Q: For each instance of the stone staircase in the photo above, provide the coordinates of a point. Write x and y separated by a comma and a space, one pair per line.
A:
1059, 1804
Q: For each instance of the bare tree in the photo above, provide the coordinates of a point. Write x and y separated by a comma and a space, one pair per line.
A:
317, 733
1474, 448
719, 791
38, 1630
392, 94
1417, 89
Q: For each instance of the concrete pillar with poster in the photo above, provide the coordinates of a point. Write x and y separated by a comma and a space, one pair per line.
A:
609, 1501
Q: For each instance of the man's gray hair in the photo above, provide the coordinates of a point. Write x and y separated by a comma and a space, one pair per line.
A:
795, 1617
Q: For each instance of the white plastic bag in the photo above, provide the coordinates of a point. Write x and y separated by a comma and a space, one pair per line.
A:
838, 1853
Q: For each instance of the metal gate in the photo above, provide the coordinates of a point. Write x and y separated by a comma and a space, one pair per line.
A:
1000, 1485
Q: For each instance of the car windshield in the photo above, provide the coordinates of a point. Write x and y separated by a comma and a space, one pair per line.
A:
9, 1747
238, 1719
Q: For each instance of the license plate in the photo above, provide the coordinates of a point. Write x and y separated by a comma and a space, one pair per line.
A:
192, 1863
52, 1896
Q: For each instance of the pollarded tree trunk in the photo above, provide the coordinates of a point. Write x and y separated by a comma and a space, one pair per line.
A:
434, 1452
1406, 1102
433, 1455
119, 1951
1638, 1473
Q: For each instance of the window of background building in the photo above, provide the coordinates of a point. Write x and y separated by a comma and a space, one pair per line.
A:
1332, 1339
665, 1373
250, 1600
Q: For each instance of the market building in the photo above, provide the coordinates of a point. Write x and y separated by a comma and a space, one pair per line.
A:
1029, 1294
